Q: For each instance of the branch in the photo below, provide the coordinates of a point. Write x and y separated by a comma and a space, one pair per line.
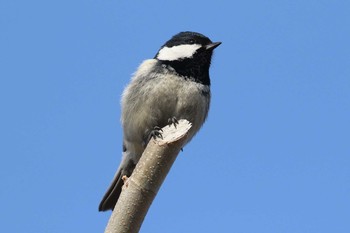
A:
142, 186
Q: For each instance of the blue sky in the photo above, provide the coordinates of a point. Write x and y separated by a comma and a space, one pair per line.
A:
273, 155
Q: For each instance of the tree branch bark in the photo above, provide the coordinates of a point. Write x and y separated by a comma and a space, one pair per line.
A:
141, 187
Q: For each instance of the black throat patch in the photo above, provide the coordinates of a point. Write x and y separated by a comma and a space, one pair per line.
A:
196, 68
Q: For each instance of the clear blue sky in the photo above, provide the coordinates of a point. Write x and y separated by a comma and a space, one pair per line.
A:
274, 155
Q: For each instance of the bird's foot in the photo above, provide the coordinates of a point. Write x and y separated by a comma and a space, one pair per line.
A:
155, 133
173, 121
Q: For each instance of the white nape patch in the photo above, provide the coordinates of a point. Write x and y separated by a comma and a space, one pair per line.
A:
178, 52
144, 68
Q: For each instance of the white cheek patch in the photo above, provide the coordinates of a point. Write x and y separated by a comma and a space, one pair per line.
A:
178, 52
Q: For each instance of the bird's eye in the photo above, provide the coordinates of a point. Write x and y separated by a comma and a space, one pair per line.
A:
191, 41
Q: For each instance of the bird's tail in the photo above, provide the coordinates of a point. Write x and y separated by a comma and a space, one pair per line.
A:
111, 197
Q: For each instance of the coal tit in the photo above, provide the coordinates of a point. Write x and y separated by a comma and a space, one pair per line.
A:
175, 84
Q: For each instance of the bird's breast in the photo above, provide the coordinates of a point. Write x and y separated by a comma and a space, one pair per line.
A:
151, 100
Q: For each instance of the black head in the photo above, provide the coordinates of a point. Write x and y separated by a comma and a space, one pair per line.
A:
189, 54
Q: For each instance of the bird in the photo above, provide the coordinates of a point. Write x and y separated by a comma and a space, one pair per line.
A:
174, 85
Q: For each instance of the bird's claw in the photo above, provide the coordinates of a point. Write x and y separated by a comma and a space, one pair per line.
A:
155, 133
173, 121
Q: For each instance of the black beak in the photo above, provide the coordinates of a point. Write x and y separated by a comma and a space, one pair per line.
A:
212, 46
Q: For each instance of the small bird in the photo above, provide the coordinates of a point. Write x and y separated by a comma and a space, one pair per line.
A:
175, 84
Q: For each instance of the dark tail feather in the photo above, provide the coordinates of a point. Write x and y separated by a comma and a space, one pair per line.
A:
111, 197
